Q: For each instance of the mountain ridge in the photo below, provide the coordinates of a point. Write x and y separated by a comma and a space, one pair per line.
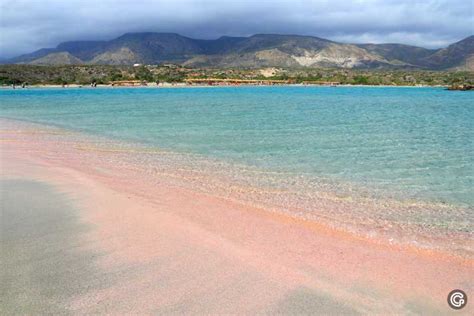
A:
259, 50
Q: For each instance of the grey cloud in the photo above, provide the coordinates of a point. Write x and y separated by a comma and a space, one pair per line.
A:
26, 25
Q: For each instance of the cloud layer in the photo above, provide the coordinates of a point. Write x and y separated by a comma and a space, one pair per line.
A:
27, 25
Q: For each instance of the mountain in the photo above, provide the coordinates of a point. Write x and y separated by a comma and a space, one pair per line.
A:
264, 50
260, 50
84, 50
459, 55
404, 53
61, 58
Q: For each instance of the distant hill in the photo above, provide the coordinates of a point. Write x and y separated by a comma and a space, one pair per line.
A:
459, 55
61, 58
261, 50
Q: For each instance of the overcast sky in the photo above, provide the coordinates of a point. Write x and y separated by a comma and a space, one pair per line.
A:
27, 25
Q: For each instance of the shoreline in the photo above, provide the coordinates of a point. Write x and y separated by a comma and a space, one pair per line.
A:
352, 210
180, 85
155, 231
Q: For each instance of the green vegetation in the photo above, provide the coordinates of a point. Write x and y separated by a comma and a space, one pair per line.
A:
142, 73
16, 74
361, 80
103, 74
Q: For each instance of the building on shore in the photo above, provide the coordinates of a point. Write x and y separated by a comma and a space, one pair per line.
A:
234, 82
321, 83
128, 83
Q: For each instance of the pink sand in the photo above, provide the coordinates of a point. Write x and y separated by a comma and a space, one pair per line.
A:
172, 250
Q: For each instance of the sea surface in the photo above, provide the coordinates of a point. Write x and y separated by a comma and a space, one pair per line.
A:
401, 144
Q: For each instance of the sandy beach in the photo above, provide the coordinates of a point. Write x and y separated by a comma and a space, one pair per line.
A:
80, 237
167, 85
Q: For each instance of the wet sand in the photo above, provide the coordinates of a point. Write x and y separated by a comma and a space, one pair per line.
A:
43, 261
110, 244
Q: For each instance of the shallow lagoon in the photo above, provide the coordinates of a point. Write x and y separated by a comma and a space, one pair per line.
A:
412, 142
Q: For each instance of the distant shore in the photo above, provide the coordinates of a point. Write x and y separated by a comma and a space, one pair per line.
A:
181, 85
174, 74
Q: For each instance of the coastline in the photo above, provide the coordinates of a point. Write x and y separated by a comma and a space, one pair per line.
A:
149, 233
361, 212
155, 86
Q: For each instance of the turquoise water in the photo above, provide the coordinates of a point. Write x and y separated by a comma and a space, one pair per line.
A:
413, 141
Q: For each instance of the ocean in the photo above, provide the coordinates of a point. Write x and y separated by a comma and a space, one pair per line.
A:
396, 149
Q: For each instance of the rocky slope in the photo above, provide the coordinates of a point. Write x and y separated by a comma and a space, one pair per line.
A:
459, 55
61, 58
261, 50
